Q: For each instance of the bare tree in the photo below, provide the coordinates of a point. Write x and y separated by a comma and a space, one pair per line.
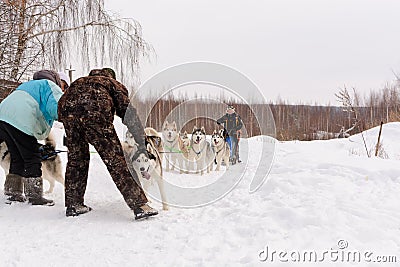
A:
53, 33
349, 103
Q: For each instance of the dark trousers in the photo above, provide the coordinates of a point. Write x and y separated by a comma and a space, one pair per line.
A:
105, 140
23, 149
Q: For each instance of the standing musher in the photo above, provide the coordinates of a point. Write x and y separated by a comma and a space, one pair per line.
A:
232, 124
87, 111
27, 115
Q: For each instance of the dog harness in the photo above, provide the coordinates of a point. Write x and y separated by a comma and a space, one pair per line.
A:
198, 153
171, 148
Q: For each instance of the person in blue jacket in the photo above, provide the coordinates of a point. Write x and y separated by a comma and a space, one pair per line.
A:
27, 115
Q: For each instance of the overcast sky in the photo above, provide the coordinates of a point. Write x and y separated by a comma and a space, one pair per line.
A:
299, 50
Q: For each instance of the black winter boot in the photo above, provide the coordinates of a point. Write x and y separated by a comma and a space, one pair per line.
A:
13, 188
77, 210
34, 192
144, 211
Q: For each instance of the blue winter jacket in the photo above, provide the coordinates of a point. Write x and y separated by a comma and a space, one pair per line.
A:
32, 107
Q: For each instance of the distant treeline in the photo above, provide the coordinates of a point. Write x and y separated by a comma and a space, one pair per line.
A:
292, 122
303, 122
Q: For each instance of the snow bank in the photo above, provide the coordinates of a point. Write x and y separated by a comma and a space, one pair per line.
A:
318, 193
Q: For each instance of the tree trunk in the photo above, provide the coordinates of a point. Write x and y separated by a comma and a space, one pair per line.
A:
22, 40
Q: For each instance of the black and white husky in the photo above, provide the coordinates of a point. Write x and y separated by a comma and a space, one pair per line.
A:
52, 170
221, 148
200, 151
147, 164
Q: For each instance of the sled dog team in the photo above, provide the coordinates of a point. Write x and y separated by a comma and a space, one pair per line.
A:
179, 151
194, 154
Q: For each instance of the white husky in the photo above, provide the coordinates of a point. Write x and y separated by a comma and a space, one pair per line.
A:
171, 145
200, 151
221, 148
147, 164
52, 170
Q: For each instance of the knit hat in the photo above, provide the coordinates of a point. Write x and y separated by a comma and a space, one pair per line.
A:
47, 75
107, 72
230, 107
64, 77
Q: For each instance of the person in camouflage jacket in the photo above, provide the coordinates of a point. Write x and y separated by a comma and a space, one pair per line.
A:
87, 111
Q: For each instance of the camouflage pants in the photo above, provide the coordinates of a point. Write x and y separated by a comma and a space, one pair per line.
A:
103, 137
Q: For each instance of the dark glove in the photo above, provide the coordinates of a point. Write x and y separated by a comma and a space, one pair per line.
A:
47, 152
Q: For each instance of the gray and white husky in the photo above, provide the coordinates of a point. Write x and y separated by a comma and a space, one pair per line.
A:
200, 151
52, 170
221, 148
147, 164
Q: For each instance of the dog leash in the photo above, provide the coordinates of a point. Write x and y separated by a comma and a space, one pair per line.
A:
174, 151
51, 155
47, 152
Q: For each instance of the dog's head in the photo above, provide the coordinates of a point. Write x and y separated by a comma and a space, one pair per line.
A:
217, 138
185, 139
223, 133
144, 163
198, 135
169, 131
130, 140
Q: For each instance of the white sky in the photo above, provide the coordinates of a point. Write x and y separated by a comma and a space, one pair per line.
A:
299, 50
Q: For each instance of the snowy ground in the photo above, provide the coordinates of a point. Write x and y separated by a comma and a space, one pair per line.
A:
318, 193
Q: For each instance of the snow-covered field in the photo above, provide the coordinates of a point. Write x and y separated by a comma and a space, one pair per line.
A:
320, 196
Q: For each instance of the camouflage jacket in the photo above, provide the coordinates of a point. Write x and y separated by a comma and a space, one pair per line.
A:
97, 99
232, 123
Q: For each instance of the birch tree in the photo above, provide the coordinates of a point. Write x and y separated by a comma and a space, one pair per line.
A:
35, 34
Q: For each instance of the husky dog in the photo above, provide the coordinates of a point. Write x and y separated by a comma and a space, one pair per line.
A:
154, 138
200, 151
147, 164
129, 145
221, 148
184, 147
171, 144
52, 168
